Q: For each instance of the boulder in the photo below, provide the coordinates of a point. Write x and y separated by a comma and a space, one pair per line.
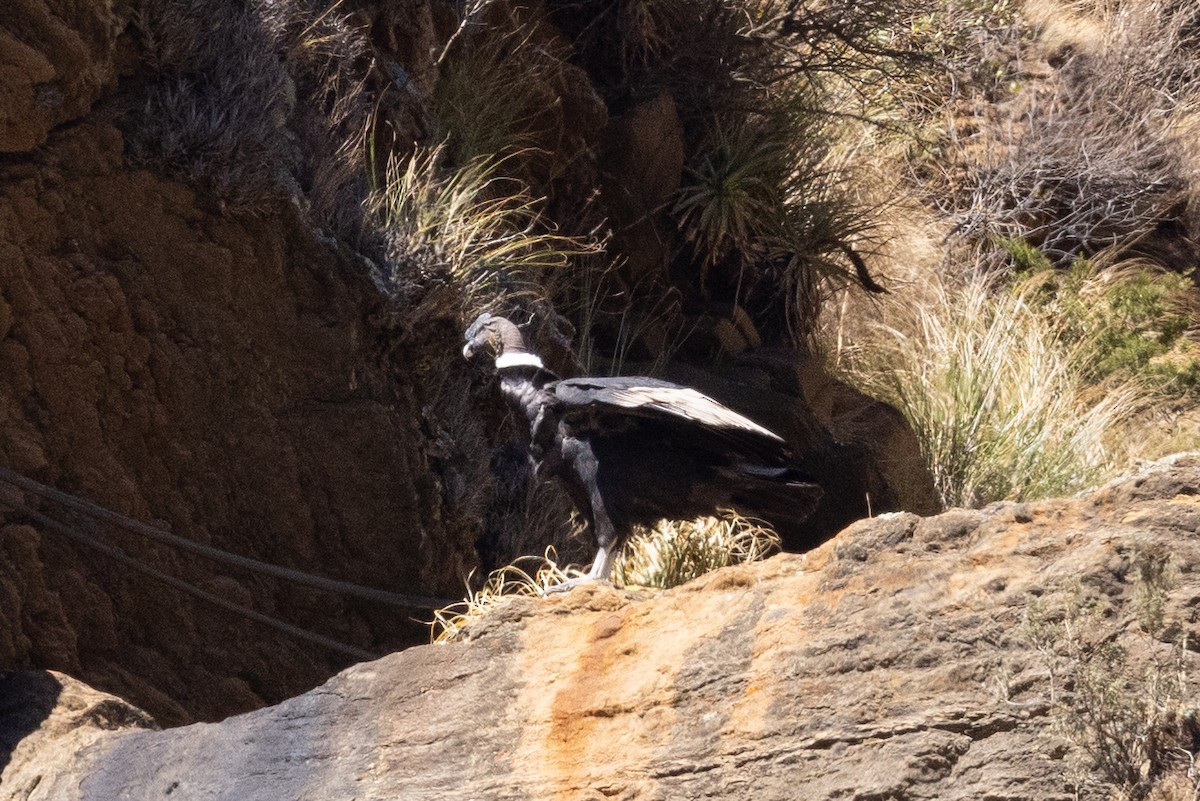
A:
46, 718
920, 658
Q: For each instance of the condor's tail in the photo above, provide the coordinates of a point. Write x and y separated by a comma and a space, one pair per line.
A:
781, 496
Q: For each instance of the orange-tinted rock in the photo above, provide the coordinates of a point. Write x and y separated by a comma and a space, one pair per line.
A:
890, 663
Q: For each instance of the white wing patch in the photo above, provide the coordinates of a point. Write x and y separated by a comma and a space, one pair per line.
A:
687, 403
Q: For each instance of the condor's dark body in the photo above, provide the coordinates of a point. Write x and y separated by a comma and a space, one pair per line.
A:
633, 450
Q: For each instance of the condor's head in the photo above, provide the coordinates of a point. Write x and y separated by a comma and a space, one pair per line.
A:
499, 338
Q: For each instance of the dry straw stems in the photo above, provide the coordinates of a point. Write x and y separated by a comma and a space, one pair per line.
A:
667, 555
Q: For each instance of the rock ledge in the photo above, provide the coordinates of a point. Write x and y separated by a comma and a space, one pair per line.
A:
890, 662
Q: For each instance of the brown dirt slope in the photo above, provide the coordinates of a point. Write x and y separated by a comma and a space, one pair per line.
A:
896, 661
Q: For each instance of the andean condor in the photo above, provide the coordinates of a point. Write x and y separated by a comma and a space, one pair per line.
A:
633, 450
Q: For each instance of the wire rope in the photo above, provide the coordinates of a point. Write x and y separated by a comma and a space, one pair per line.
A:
161, 535
120, 556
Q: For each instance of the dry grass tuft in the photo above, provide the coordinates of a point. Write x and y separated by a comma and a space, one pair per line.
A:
675, 552
216, 108
469, 227
527, 577
995, 394
670, 554
491, 92
1030, 381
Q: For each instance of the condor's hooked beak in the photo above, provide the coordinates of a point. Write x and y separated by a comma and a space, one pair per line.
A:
480, 344
479, 336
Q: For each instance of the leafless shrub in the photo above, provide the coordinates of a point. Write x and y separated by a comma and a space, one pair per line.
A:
1092, 159
973, 51
270, 102
842, 50
1130, 721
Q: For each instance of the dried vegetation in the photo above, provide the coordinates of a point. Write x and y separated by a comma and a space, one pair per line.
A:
277, 101
1050, 334
1131, 724
1092, 155
667, 555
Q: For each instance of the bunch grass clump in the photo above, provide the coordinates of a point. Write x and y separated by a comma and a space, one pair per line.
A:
675, 552
667, 555
527, 577
478, 230
487, 97
995, 394
216, 110
259, 102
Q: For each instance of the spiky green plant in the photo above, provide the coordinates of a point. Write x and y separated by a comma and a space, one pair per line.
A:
733, 200
766, 207
481, 231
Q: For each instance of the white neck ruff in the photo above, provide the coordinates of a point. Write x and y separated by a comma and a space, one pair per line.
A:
518, 360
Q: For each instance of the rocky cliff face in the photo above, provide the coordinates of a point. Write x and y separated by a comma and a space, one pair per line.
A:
56, 59
956, 656
213, 373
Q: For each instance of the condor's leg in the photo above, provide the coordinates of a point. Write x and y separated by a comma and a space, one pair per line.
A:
585, 470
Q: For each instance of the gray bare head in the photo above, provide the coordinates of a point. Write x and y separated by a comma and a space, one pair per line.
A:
495, 336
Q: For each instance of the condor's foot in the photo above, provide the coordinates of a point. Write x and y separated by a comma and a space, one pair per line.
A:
601, 569
570, 584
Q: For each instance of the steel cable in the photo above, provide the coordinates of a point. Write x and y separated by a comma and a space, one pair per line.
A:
120, 556
216, 554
